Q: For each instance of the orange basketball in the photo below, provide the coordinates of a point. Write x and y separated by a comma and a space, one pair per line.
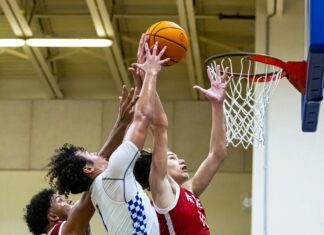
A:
168, 34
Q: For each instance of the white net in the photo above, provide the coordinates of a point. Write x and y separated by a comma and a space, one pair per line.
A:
247, 96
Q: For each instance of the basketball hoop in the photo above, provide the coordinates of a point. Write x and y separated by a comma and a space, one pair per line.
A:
254, 79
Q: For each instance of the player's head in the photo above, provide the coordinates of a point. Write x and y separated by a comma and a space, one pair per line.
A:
177, 168
44, 209
142, 169
72, 169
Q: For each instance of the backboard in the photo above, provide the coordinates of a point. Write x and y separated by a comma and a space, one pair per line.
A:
314, 19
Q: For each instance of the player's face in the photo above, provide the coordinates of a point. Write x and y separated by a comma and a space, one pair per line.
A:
60, 206
177, 168
99, 163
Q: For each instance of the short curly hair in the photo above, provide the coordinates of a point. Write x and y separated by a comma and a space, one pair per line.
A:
65, 170
142, 169
36, 211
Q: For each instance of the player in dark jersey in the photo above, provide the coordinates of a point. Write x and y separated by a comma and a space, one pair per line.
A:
177, 205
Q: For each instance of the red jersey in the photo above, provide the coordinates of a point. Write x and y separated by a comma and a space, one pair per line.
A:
56, 228
185, 216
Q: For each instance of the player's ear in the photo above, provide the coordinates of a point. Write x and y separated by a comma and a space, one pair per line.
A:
52, 217
88, 168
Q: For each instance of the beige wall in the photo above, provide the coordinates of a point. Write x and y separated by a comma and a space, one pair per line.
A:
222, 202
32, 129
288, 171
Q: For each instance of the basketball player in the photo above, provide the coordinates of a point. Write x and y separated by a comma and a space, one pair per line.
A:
177, 205
48, 212
119, 199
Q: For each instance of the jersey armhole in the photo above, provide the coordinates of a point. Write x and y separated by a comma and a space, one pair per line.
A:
173, 204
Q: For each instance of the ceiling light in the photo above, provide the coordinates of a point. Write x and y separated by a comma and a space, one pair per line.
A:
60, 42
12, 42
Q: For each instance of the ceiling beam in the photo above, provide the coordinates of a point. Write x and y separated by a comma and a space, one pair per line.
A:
145, 16
14, 53
115, 47
189, 57
21, 28
216, 16
195, 43
104, 28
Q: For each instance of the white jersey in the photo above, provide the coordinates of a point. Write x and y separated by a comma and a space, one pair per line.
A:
121, 202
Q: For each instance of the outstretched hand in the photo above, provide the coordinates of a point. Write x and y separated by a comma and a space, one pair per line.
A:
127, 101
153, 60
138, 75
218, 82
141, 49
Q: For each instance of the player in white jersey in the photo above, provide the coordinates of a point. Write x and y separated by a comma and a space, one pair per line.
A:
53, 214
119, 199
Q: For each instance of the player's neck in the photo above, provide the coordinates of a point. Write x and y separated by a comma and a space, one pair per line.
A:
94, 174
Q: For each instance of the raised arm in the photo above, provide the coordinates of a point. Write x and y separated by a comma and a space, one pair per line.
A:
161, 185
78, 220
127, 102
138, 74
124, 118
144, 107
217, 146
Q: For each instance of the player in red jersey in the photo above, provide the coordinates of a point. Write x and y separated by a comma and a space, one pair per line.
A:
177, 205
50, 213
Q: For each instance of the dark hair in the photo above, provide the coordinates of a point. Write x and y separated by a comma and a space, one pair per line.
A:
36, 211
142, 169
65, 170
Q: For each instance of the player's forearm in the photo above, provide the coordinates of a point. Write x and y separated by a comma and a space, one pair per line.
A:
79, 216
145, 105
159, 117
217, 145
160, 147
114, 139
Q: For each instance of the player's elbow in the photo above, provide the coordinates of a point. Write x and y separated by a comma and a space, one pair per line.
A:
223, 154
220, 153
163, 125
144, 115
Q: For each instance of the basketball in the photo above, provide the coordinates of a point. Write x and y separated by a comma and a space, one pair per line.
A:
168, 34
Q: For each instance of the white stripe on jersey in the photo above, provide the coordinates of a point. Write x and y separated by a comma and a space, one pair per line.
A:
169, 223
